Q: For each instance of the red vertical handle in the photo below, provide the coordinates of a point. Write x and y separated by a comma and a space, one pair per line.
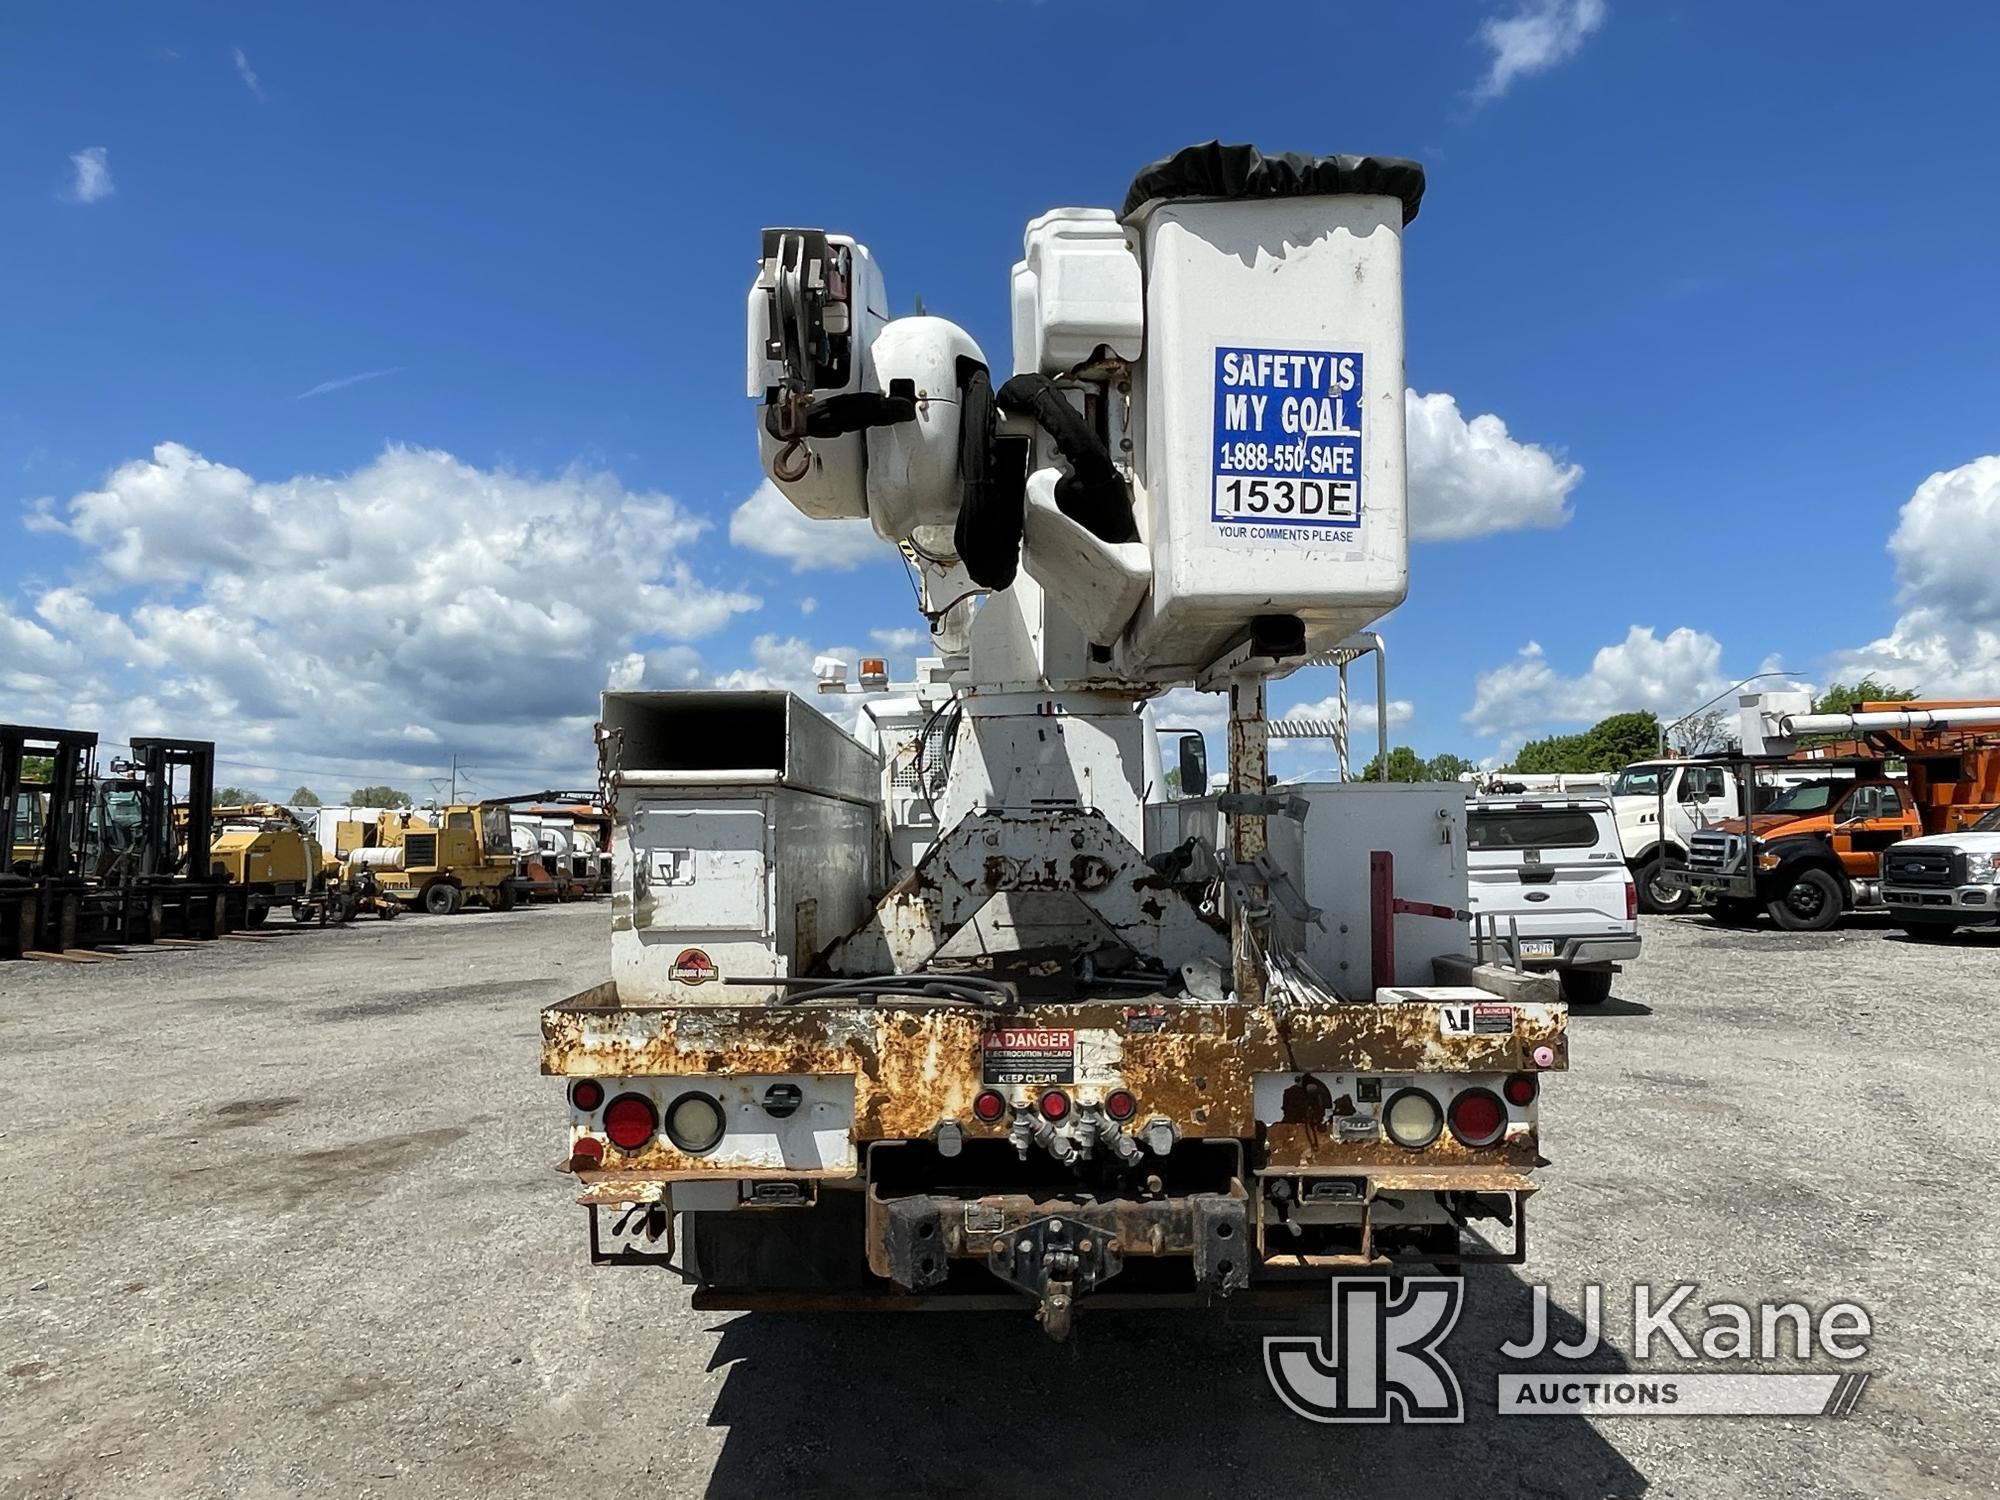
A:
1382, 919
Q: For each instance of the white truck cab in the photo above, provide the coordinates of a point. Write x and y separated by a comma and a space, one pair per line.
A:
1697, 795
1548, 879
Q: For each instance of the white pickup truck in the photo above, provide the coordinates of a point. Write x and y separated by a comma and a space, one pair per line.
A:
1548, 877
1944, 881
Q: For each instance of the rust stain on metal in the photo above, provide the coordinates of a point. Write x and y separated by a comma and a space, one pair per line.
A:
914, 1068
1301, 1147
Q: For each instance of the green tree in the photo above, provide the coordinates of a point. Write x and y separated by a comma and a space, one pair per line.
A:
1447, 767
234, 796
1404, 765
305, 797
37, 768
1608, 745
1614, 743
1847, 697
377, 796
1552, 753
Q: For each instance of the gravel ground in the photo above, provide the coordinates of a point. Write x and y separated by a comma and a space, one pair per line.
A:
278, 1217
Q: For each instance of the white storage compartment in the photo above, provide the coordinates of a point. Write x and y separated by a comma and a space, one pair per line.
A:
1268, 420
1421, 824
747, 839
1076, 288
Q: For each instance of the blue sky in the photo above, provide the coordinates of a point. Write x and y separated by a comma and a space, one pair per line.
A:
344, 348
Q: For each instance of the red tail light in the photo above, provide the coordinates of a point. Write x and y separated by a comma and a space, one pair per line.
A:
989, 1106
586, 1094
1120, 1105
1631, 901
630, 1121
1520, 1089
1477, 1118
1055, 1104
586, 1154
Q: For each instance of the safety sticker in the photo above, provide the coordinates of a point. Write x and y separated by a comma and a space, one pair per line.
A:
1476, 1020
1287, 455
1029, 1054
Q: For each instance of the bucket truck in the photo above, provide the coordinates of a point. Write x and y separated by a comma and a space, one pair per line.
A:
927, 1022
1830, 844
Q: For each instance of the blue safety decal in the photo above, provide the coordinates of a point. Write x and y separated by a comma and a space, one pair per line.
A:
1287, 453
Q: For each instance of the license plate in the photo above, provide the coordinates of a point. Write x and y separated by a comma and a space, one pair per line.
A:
1538, 947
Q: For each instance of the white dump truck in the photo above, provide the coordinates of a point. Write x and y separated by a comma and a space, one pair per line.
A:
929, 1021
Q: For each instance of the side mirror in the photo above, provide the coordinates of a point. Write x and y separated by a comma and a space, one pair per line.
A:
1194, 765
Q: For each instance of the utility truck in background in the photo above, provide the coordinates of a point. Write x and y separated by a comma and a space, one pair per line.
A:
930, 1021
1816, 850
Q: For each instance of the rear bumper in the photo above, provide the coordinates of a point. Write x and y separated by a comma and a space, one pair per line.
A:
1581, 952
1596, 951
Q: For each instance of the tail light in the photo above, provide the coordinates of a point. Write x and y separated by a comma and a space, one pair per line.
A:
1412, 1119
695, 1123
989, 1106
630, 1121
586, 1094
586, 1154
1477, 1118
1055, 1104
1520, 1089
1631, 901
1120, 1105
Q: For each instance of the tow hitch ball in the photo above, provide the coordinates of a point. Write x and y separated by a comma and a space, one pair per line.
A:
1055, 1260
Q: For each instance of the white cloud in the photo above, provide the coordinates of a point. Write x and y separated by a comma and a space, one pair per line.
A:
1947, 550
345, 381
92, 181
785, 662
808, 604
769, 523
1470, 478
32, 660
901, 639
1537, 36
363, 619
1184, 708
245, 72
1361, 714
1669, 676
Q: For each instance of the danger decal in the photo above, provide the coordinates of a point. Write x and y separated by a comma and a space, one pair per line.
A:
1029, 1054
